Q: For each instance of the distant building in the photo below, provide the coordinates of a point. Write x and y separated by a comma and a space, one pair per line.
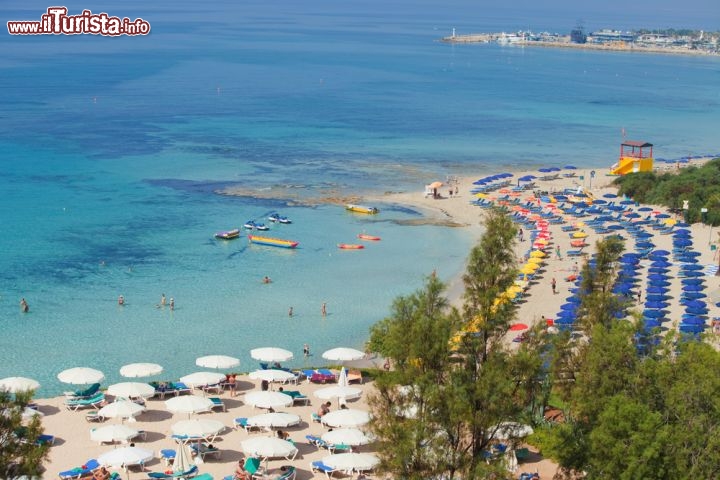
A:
578, 36
612, 36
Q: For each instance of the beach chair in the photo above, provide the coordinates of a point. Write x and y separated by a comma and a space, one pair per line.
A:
180, 388
78, 403
216, 388
253, 467
86, 393
574, 253
167, 455
316, 418
297, 397
329, 375
203, 450
43, 439
79, 472
354, 376
318, 466
192, 472
217, 403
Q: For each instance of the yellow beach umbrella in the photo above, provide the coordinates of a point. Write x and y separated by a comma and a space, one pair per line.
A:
481, 195
527, 270
670, 221
579, 235
579, 224
536, 260
537, 254
543, 241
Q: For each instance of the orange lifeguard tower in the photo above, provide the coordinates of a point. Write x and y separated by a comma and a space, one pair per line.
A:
633, 158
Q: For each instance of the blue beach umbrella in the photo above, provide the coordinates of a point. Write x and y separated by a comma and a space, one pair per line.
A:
661, 263
692, 319
693, 288
682, 242
664, 253
573, 299
662, 215
609, 195
656, 305
657, 297
659, 270
653, 313
645, 209
691, 254
692, 281
624, 289
570, 167
644, 235
658, 283
644, 245
657, 276
685, 259
651, 323
697, 311
687, 328
693, 303
691, 267
570, 307
615, 226
633, 215
554, 169
693, 295
657, 289
627, 201
564, 321
544, 170
599, 202
693, 274
682, 225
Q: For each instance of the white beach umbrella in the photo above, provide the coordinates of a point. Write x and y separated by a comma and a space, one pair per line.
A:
268, 399
183, 459
135, 370
268, 447
121, 409
508, 430
338, 392
271, 354
274, 420
346, 436
343, 354
217, 361
131, 390
18, 384
81, 376
346, 418
351, 461
113, 433
200, 379
125, 457
189, 404
272, 375
198, 428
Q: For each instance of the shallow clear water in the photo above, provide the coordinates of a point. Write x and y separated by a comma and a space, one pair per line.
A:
112, 150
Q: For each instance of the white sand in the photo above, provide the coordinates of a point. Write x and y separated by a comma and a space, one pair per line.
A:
73, 445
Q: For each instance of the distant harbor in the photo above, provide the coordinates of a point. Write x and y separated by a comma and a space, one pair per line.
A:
687, 43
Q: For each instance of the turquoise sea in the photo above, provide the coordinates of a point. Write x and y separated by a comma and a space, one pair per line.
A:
112, 149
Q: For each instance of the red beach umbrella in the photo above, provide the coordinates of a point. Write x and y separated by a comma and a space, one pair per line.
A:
516, 327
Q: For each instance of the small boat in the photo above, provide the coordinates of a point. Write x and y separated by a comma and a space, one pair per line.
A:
272, 242
361, 209
252, 225
365, 236
277, 218
350, 246
228, 235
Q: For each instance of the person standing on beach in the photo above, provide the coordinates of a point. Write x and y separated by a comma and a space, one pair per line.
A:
553, 284
323, 309
557, 252
24, 307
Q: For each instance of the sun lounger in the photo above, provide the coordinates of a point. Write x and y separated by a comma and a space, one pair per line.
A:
354, 376
574, 253
217, 388
76, 404
297, 397
79, 472
192, 472
204, 450
318, 466
45, 440
86, 393
218, 403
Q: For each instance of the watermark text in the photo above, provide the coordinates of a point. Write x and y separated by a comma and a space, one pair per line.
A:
57, 22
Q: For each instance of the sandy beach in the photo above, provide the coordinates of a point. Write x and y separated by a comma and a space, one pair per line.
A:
73, 446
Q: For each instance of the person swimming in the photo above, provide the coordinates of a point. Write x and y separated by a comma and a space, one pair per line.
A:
121, 300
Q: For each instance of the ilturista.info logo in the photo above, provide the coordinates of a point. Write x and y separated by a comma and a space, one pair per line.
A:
57, 22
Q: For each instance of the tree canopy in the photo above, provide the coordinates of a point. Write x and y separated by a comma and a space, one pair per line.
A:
20, 452
700, 186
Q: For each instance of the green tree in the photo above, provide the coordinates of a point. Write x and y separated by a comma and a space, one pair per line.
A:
20, 453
